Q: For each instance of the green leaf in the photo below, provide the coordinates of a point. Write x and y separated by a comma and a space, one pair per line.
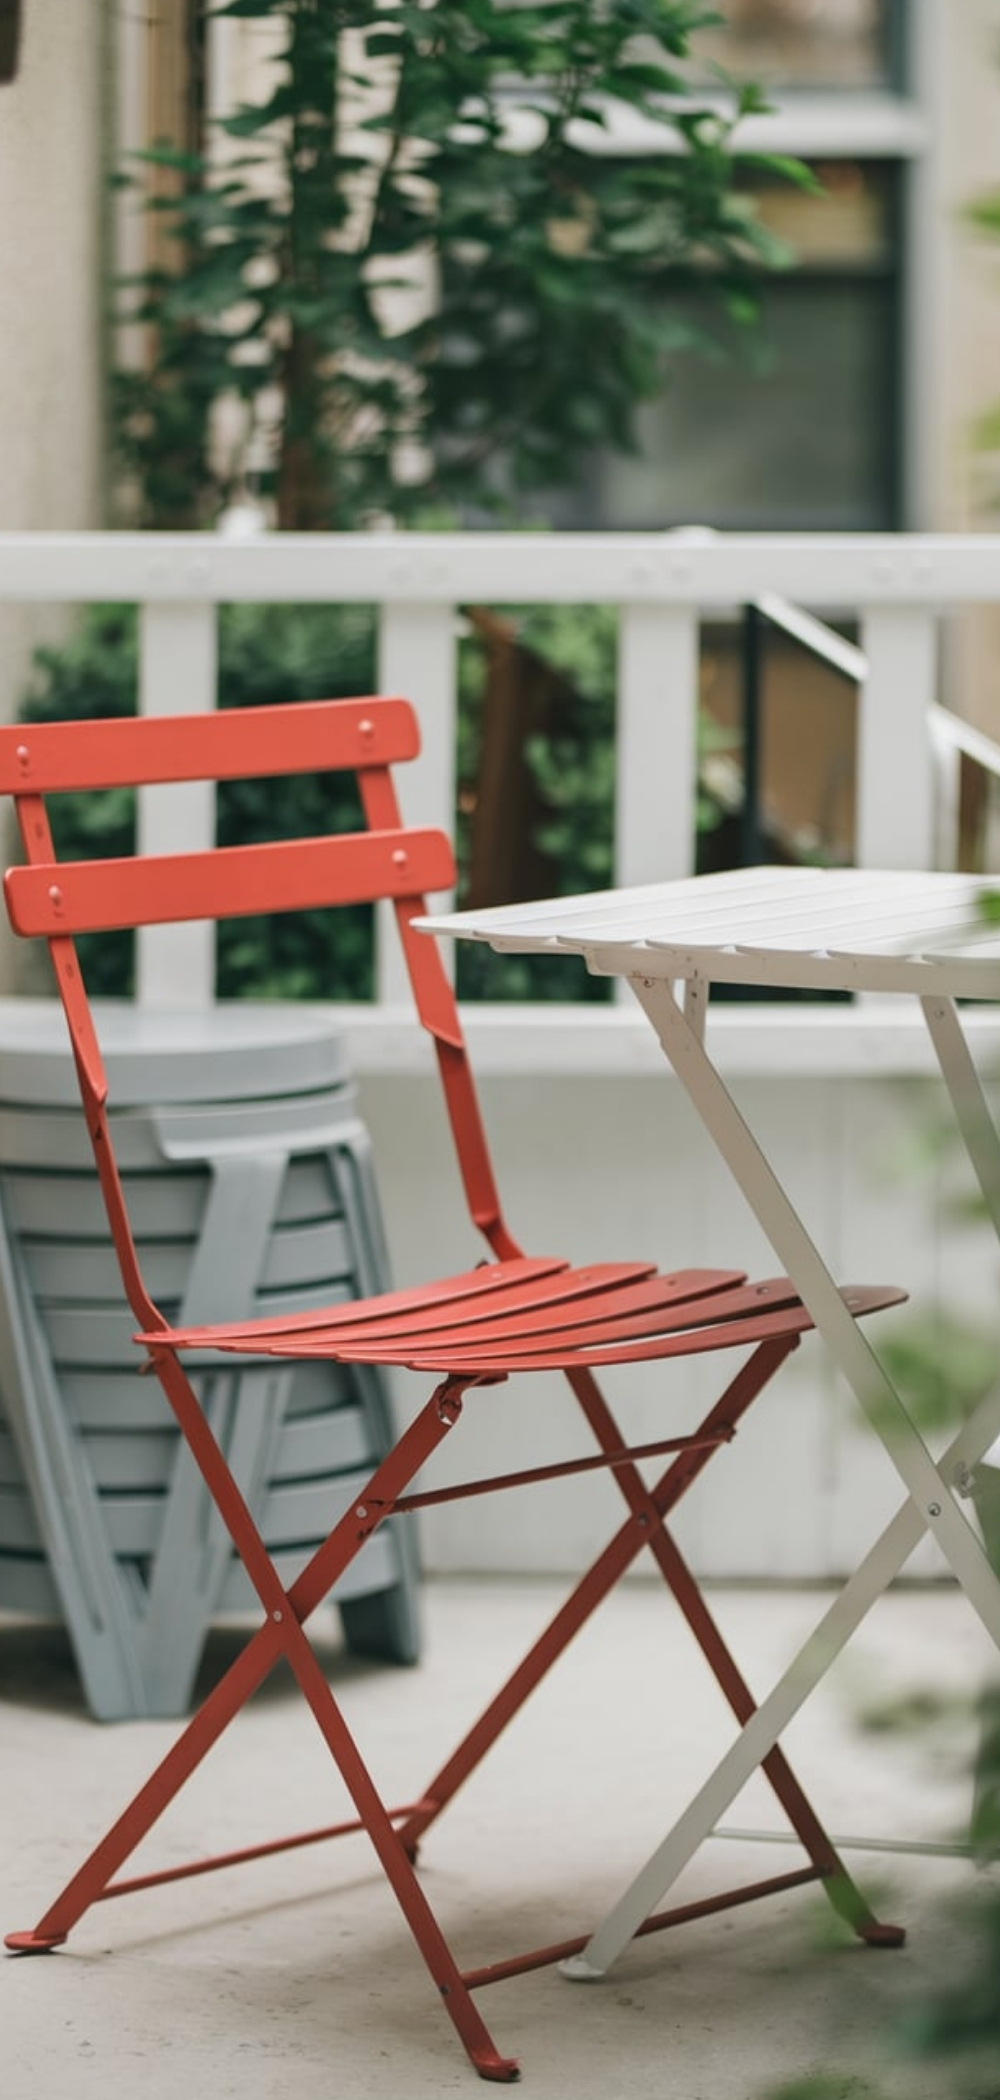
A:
793, 170
247, 8
164, 155
985, 213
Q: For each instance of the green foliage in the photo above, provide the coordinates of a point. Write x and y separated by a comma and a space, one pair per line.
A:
573, 767
944, 1362
94, 673
573, 770
952, 2025
416, 246
956, 2024
420, 285
983, 215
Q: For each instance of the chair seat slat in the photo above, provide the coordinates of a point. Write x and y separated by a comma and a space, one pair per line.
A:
601, 1294
588, 1316
519, 1306
654, 1308
747, 1331
490, 1278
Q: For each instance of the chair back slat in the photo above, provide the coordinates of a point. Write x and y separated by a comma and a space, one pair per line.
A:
277, 875
313, 736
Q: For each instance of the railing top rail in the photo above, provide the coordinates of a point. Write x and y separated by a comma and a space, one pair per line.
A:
962, 736
679, 568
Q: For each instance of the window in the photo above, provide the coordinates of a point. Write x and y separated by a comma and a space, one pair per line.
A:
794, 429
817, 44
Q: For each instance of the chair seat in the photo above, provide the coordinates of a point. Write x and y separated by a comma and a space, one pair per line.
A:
524, 1315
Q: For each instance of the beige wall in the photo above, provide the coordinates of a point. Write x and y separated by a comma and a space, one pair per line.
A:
51, 129
955, 322
52, 118
51, 216
968, 317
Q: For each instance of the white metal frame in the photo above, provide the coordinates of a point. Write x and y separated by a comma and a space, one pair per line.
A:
931, 1503
796, 927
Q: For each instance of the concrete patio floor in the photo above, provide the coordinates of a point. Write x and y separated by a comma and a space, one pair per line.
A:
294, 1975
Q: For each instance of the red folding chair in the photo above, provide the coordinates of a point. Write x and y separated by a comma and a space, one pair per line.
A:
511, 1313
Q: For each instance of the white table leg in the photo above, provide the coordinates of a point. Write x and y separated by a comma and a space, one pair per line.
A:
967, 1099
930, 1502
800, 1257
762, 1731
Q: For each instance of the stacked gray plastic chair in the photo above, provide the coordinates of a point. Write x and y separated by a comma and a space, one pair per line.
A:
250, 1179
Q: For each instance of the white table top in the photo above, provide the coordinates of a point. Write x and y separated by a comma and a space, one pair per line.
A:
844, 928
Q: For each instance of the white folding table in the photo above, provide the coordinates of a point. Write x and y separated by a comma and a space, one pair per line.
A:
930, 936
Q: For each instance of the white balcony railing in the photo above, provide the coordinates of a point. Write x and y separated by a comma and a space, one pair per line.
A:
580, 1153
898, 587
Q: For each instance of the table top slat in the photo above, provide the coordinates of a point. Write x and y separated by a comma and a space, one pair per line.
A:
842, 927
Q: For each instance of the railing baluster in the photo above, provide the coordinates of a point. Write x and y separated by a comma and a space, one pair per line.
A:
895, 783
175, 965
946, 762
656, 746
656, 771
417, 660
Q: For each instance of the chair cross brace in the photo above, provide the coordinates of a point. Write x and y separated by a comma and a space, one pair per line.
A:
532, 1476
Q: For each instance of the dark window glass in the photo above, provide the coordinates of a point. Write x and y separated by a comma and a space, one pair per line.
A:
829, 44
795, 429
806, 445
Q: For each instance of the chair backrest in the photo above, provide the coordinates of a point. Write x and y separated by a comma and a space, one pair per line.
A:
57, 900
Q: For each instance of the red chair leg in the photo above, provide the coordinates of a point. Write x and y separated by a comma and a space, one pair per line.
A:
639, 1530
397, 1867
646, 1527
282, 1635
840, 1887
91, 1881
